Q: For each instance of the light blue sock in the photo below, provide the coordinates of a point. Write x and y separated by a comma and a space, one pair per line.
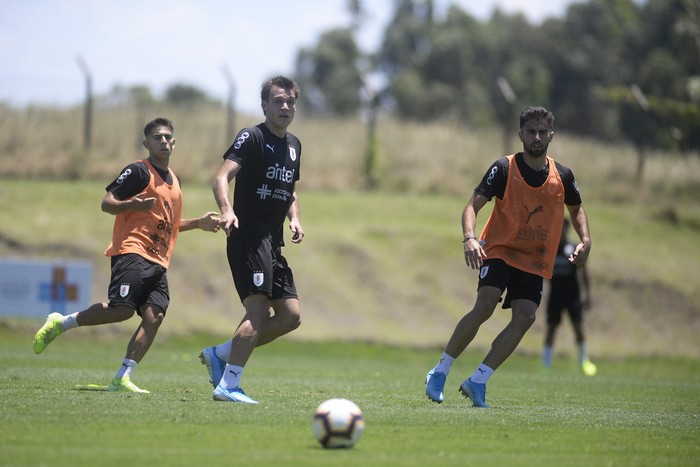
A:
444, 365
223, 350
547, 356
482, 374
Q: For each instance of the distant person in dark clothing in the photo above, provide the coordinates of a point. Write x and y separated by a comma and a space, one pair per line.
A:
566, 287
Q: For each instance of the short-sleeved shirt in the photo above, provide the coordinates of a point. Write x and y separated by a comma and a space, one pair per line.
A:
151, 234
494, 181
133, 179
265, 184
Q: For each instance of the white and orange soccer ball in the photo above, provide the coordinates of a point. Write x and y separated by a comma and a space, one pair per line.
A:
338, 423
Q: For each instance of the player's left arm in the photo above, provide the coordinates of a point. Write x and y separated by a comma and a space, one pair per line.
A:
579, 221
294, 219
209, 222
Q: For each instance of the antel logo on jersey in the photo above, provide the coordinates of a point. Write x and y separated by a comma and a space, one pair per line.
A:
241, 139
123, 176
280, 173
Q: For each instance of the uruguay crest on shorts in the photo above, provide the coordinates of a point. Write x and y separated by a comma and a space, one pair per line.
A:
258, 278
483, 272
124, 290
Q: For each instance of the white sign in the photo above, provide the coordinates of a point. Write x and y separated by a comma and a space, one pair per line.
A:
37, 288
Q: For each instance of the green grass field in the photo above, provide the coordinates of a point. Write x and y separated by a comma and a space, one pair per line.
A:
373, 268
634, 412
382, 267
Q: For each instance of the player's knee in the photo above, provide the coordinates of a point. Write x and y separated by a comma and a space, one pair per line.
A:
294, 321
525, 318
483, 311
158, 319
152, 318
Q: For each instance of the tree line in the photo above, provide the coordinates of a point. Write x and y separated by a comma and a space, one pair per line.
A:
609, 69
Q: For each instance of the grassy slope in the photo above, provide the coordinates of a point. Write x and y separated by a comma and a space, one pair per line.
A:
385, 267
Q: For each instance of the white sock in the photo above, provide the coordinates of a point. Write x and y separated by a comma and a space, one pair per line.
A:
482, 374
223, 350
445, 364
581, 352
127, 367
232, 376
69, 322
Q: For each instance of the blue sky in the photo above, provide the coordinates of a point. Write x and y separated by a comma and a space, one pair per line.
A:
158, 43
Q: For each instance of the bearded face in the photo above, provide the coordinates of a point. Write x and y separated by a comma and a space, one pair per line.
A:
536, 148
536, 136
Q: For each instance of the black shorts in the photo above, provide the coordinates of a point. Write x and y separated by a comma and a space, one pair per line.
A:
136, 282
519, 284
259, 268
558, 303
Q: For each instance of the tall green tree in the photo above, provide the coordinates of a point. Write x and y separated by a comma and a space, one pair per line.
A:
330, 76
584, 66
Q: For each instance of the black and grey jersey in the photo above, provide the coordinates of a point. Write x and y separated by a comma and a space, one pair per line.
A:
265, 183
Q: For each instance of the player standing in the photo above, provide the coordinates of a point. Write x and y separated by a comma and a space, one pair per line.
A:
566, 285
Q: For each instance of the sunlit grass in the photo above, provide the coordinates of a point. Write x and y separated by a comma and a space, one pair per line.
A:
634, 412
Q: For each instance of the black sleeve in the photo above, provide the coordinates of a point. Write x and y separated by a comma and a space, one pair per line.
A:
133, 180
572, 197
494, 181
243, 146
296, 144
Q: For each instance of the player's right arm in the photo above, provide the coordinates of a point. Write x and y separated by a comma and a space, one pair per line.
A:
124, 193
228, 171
112, 205
474, 253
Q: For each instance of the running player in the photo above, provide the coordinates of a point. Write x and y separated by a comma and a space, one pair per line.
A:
516, 248
147, 202
265, 161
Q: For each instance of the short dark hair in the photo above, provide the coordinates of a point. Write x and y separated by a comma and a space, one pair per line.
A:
536, 113
156, 122
281, 82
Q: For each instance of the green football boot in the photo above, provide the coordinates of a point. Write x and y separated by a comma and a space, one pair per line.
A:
48, 332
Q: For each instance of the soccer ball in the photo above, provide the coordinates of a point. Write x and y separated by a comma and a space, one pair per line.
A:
338, 423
